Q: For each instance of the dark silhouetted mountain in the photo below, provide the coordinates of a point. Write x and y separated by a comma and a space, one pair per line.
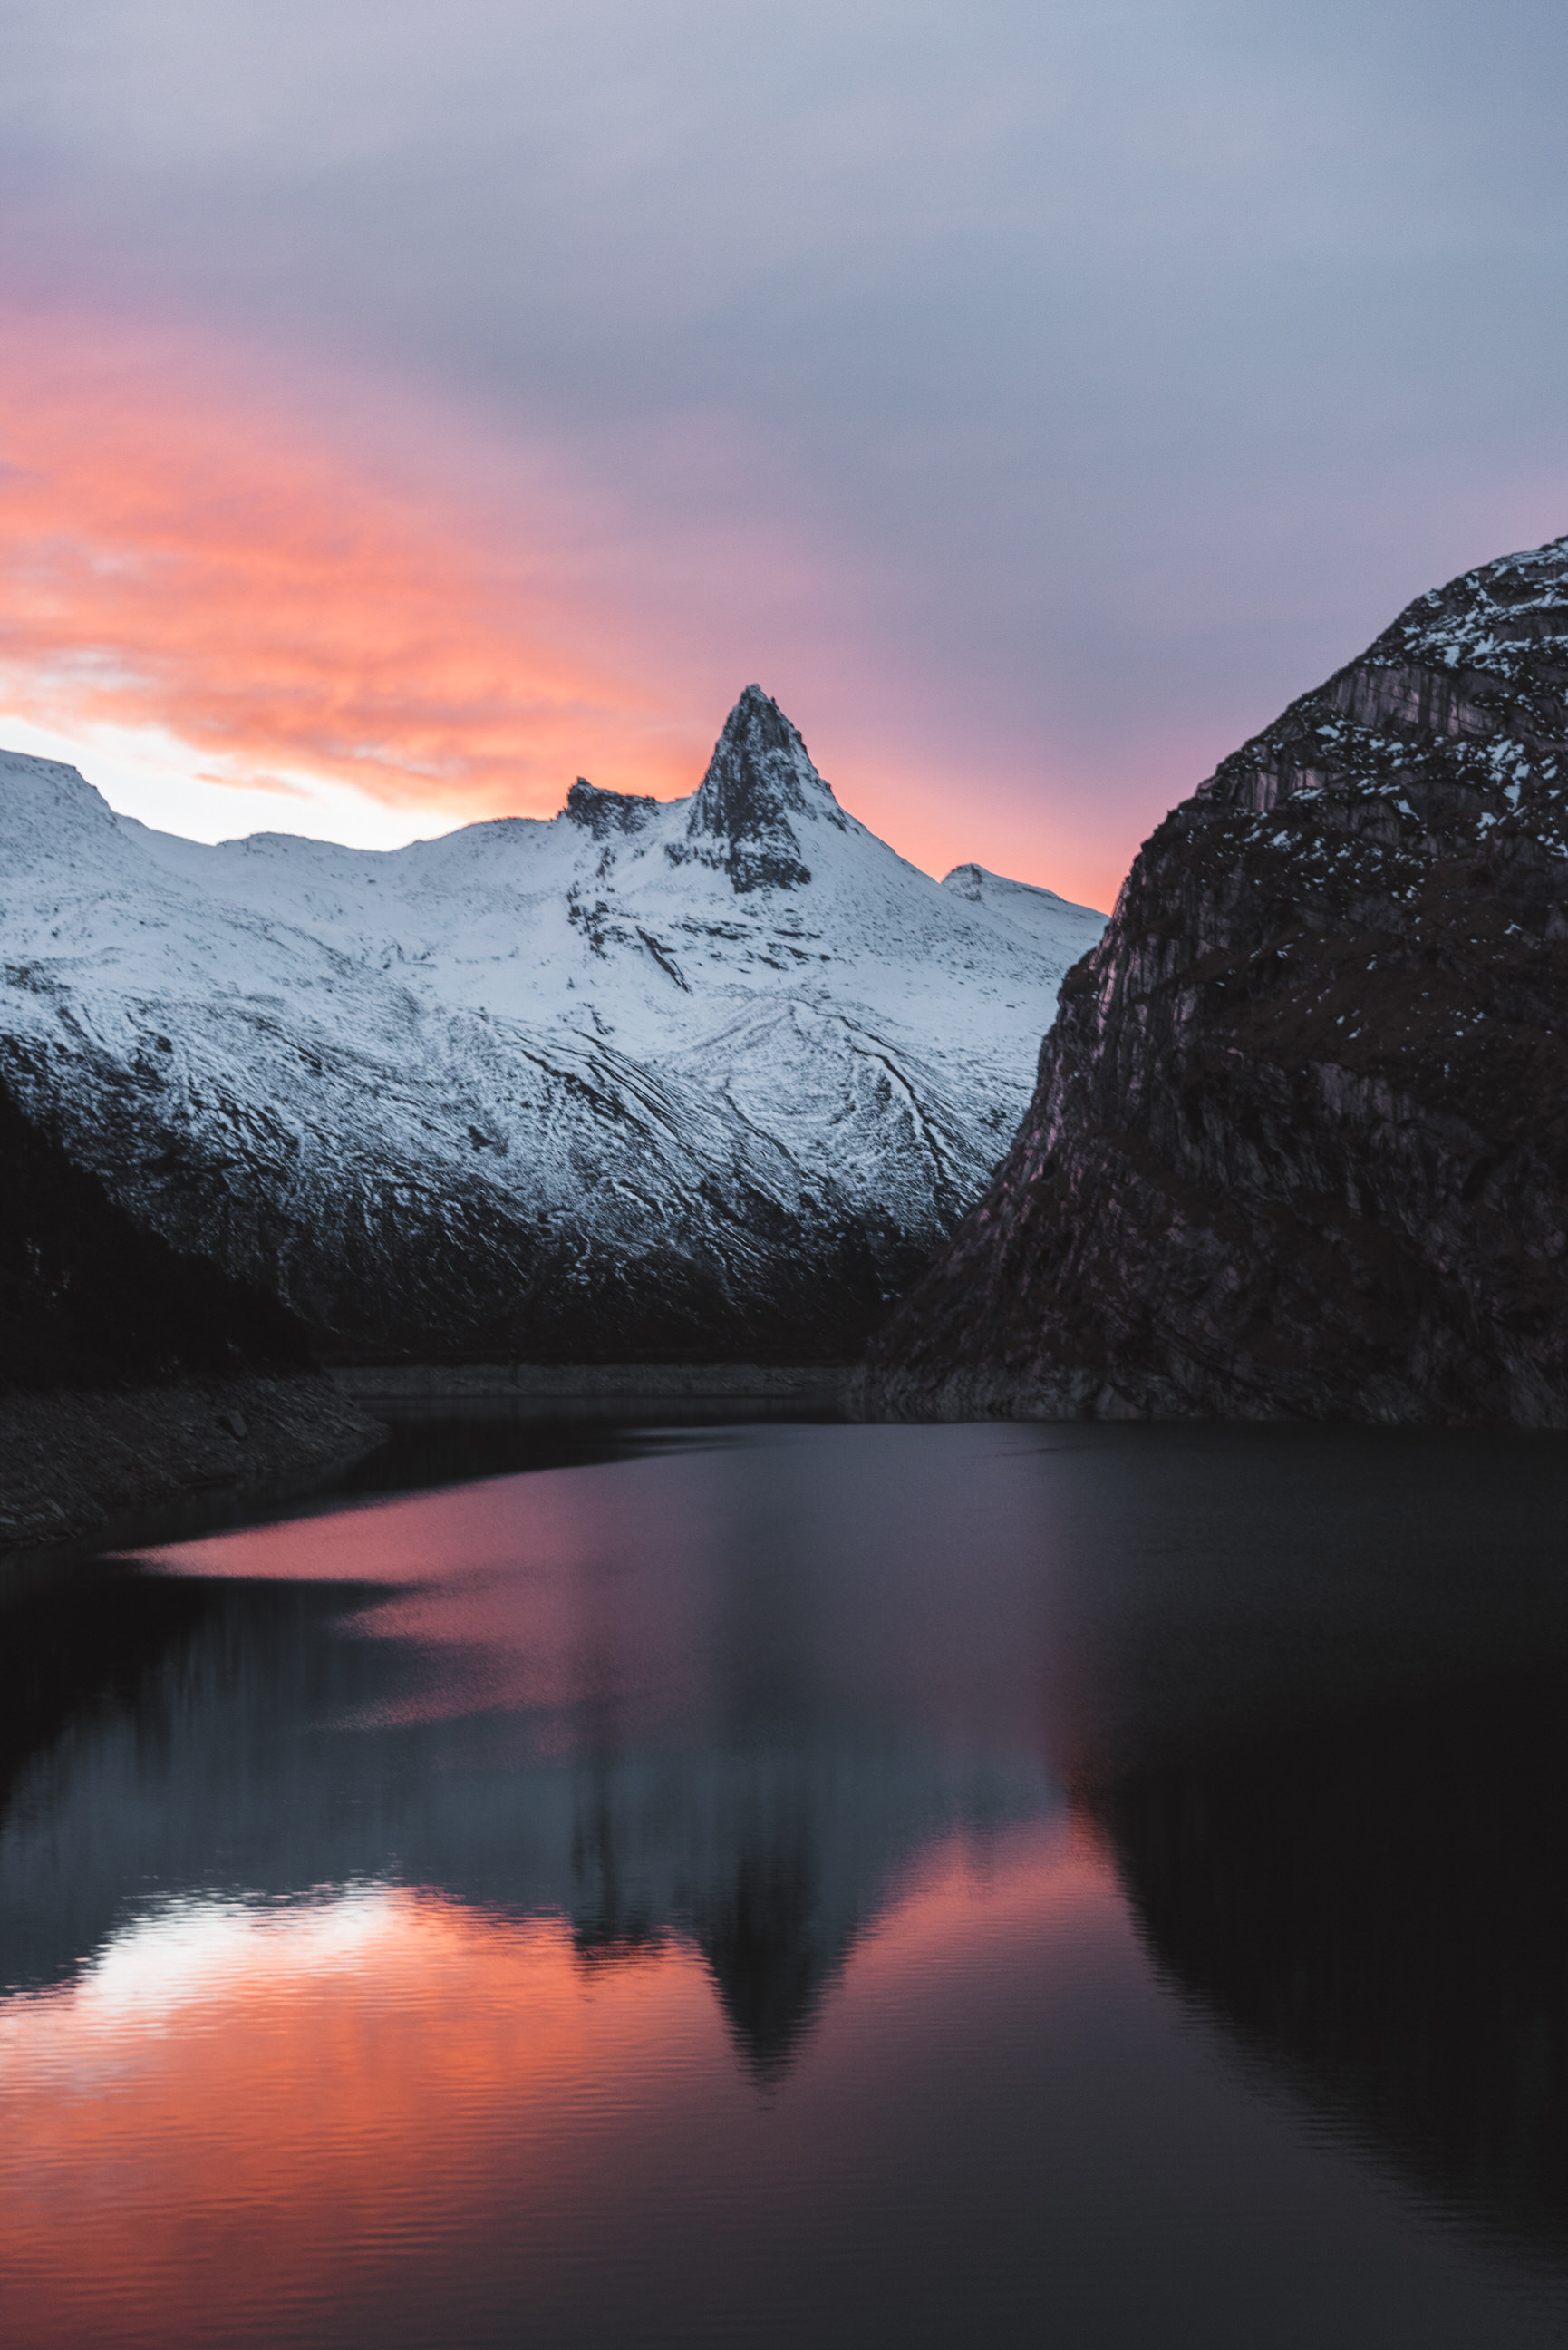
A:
1299, 1146
1375, 1904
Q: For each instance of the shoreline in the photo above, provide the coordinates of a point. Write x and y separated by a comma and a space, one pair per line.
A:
80, 1468
372, 1383
74, 1460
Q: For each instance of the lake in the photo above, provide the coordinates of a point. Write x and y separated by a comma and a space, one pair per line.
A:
592, 1883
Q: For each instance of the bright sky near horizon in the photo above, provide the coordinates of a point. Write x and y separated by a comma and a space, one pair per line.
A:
409, 406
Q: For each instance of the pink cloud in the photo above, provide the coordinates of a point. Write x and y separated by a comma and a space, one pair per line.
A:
186, 548
306, 574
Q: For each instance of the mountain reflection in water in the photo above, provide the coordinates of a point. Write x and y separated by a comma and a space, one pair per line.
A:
1378, 1906
831, 1884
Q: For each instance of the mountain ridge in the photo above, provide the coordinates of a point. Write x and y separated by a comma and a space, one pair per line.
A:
645, 1081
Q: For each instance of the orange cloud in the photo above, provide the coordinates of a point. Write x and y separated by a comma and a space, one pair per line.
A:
300, 579
183, 548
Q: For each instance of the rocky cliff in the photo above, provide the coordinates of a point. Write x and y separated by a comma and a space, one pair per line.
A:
1299, 1144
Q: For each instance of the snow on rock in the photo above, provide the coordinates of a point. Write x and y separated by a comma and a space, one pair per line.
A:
709, 1076
1039, 913
1299, 1147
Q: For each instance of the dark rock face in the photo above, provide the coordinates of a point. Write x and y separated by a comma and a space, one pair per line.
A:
1299, 1146
760, 775
88, 1298
603, 813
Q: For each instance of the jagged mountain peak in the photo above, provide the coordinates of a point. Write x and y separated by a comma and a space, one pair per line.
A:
556, 1086
760, 783
603, 813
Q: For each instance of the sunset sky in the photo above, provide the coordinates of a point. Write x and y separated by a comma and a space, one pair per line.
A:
408, 407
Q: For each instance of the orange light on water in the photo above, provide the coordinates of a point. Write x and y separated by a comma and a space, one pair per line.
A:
238, 2115
232, 2105
533, 1614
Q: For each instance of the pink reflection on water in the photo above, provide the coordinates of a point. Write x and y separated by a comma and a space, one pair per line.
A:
544, 1590
372, 2109
772, 1571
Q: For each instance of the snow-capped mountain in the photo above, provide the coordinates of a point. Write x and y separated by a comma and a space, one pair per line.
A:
709, 1076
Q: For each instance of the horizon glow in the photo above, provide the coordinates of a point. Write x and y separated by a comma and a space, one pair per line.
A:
406, 413
232, 625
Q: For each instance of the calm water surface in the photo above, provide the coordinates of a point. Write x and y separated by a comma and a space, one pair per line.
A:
794, 1886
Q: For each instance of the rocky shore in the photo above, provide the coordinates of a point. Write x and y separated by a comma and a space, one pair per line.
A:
72, 1462
392, 1383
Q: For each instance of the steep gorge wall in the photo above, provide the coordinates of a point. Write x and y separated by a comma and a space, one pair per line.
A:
1299, 1146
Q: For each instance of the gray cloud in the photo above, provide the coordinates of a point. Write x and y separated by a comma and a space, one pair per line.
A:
1129, 366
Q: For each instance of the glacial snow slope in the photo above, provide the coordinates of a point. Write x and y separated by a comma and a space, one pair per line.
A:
711, 1076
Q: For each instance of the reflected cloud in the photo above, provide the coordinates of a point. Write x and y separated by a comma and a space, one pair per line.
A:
235, 2095
189, 1952
490, 1900
332, 2068
587, 1698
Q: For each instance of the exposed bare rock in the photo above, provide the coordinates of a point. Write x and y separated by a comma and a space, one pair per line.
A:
73, 1462
1299, 1147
